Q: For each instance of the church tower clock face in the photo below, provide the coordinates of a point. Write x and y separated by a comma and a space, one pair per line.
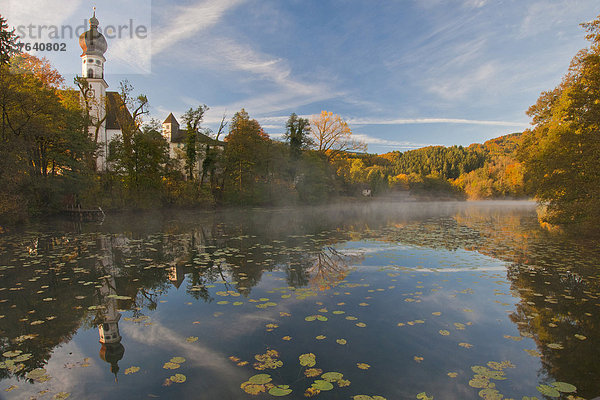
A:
91, 93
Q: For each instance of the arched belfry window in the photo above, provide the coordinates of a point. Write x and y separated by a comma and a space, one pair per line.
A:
90, 73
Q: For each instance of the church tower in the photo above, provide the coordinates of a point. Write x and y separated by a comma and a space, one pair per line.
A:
93, 44
170, 127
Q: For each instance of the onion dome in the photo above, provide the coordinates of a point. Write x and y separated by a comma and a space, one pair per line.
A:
112, 354
93, 42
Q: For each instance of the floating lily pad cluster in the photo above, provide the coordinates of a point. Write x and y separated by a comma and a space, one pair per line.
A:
556, 388
260, 383
485, 377
268, 360
174, 363
327, 379
317, 317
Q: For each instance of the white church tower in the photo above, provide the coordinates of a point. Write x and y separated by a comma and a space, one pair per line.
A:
94, 46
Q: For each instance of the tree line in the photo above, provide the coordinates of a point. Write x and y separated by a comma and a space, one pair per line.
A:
48, 152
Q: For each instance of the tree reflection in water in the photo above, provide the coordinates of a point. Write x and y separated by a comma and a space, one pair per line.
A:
56, 281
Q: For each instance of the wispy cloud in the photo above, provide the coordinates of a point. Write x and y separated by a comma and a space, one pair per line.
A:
407, 121
287, 92
402, 145
475, 3
38, 12
543, 16
187, 21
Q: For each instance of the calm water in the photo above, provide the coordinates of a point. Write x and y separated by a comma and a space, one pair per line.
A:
402, 301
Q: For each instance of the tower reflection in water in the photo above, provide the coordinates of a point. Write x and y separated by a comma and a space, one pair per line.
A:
112, 350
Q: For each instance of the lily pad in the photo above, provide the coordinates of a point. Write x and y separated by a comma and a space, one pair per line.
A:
171, 365
490, 394
260, 379
307, 360
564, 387
549, 391
178, 378
341, 341
177, 360
312, 372
322, 385
22, 357
132, 370
252, 388
332, 376
281, 390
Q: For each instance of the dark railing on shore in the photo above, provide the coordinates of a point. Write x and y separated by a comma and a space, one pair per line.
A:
82, 214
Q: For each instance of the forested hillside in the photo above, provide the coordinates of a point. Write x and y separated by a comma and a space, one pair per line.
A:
479, 171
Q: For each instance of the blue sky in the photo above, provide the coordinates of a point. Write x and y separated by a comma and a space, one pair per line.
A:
404, 73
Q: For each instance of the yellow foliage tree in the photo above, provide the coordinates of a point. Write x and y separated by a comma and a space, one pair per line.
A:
332, 135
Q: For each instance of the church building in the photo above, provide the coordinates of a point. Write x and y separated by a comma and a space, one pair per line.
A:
103, 104
107, 110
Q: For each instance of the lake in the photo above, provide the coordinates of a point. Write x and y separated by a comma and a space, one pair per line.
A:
371, 301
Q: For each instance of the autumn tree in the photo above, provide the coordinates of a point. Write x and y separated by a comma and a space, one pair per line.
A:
42, 145
41, 68
332, 135
245, 157
562, 152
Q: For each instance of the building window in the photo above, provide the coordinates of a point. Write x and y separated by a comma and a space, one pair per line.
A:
90, 73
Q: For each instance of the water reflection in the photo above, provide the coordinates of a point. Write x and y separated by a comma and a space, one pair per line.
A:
59, 280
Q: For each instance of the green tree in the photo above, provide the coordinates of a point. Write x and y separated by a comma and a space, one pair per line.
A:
142, 170
9, 45
562, 152
212, 157
193, 120
297, 134
130, 112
